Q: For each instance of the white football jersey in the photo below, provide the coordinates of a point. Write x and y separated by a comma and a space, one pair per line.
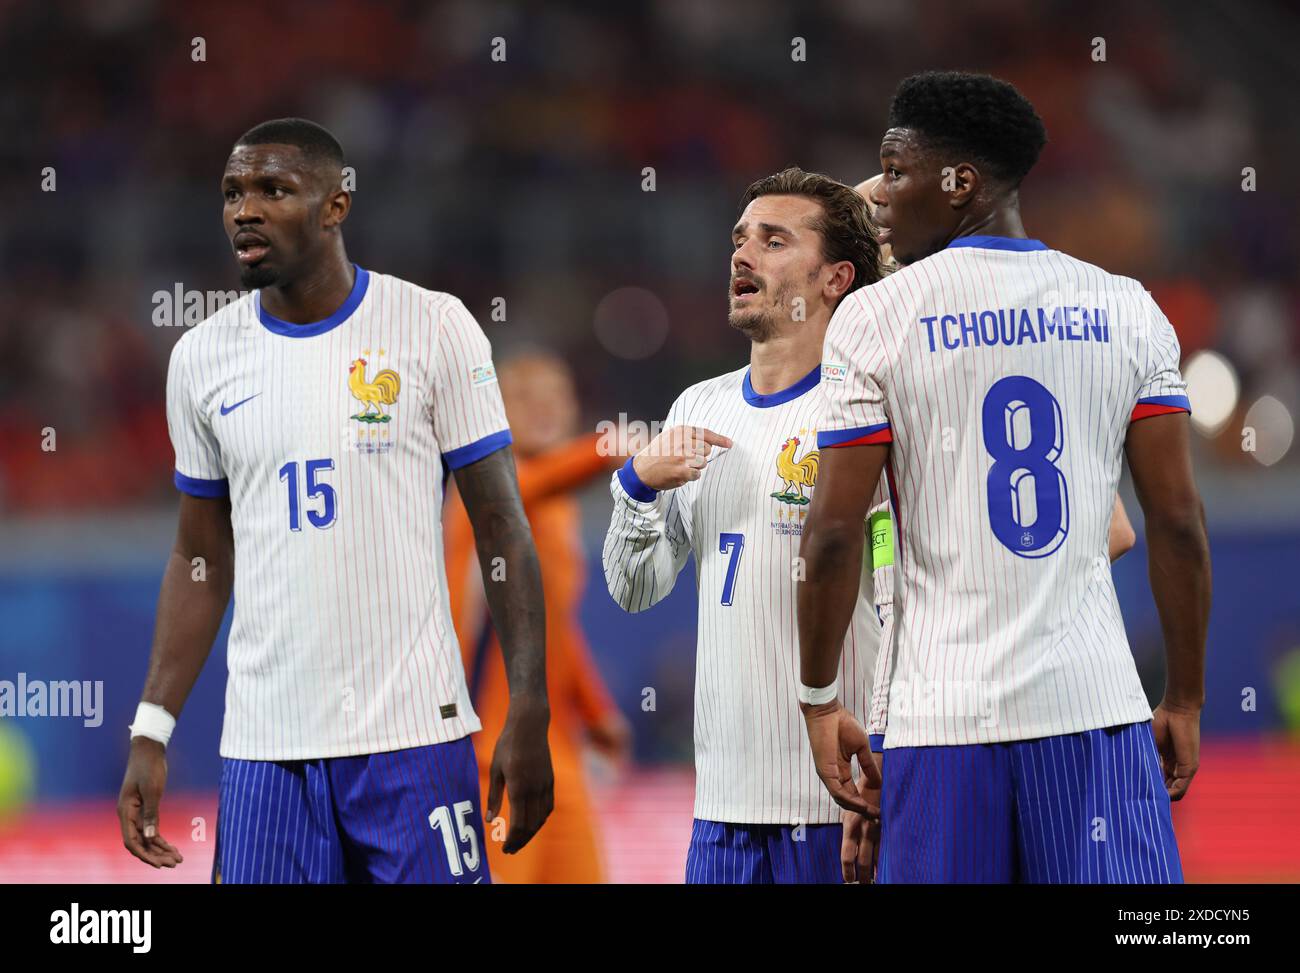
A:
1005, 375
743, 519
333, 441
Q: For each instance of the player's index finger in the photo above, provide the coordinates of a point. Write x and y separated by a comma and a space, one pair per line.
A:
709, 436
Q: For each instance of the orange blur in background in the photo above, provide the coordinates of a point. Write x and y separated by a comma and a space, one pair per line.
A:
542, 410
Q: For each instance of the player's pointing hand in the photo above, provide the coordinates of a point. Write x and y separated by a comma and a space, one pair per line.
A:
677, 456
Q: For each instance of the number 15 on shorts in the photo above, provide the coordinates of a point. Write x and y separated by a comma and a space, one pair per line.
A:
440, 821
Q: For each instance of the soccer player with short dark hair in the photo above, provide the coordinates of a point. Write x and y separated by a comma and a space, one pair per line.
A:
1001, 384
315, 422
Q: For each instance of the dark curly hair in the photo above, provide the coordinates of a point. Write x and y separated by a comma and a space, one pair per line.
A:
845, 223
974, 115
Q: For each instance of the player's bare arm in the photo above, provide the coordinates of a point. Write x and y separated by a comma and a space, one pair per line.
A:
192, 602
1122, 537
831, 550
1159, 456
676, 456
521, 762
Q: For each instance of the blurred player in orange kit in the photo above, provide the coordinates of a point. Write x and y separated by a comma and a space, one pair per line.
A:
542, 409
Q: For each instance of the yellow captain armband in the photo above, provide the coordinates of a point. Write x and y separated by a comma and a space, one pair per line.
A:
881, 530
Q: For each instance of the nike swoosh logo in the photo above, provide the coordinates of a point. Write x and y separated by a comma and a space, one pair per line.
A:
226, 410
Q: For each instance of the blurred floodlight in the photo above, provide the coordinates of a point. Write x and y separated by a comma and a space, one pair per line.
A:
1274, 429
1213, 388
631, 323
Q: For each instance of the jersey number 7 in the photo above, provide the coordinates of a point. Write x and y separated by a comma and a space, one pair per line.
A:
732, 544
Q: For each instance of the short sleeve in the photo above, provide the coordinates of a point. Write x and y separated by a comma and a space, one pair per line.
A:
469, 418
853, 402
198, 456
1163, 389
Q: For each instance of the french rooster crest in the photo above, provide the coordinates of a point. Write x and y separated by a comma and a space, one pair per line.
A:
796, 473
382, 390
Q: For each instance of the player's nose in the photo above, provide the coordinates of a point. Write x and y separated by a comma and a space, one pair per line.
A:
876, 197
247, 213
742, 257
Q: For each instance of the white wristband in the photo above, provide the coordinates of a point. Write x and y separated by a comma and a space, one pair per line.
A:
815, 697
154, 722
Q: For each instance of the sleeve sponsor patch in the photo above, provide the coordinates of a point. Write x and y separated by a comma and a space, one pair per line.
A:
484, 374
834, 372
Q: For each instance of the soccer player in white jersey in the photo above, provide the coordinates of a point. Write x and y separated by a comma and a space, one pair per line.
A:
1004, 383
315, 422
730, 478
861, 833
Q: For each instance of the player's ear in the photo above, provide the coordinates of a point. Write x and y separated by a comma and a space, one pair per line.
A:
337, 206
839, 281
961, 182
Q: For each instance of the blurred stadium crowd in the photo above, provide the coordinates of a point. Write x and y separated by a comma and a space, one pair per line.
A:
523, 179
502, 151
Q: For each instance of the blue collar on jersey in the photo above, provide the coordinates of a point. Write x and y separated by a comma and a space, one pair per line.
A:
291, 330
997, 243
785, 395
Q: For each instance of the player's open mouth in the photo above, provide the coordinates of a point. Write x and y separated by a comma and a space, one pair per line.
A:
251, 254
741, 287
250, 248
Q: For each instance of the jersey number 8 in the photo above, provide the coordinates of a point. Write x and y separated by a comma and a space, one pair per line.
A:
1029, 506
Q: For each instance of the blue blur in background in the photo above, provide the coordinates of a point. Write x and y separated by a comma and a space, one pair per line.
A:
98, 625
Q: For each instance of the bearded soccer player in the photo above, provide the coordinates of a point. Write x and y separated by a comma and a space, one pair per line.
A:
730, 479
1004, 383
315, 422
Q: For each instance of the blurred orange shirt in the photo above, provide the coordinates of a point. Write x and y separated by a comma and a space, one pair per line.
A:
578, 696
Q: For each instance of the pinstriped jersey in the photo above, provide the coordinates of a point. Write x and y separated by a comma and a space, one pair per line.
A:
743, 519
333, 441
1005, 375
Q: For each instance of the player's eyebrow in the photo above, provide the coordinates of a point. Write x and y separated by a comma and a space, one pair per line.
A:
264, 177
771, 229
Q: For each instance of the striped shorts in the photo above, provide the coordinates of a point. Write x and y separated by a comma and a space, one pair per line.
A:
403, 816
1079, 808
722, 853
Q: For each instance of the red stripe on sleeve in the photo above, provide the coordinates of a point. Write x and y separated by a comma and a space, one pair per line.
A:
1149, 410
871, 439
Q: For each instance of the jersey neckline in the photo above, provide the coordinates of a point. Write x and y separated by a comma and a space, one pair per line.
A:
291, 330
784, 395
997, 243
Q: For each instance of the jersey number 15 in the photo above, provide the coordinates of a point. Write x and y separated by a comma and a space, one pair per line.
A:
316, 488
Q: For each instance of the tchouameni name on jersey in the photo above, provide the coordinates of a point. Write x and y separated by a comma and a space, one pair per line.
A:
1016, 326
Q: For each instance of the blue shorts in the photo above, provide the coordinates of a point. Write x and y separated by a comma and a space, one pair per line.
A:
403, 816
1081, 808
722, 853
